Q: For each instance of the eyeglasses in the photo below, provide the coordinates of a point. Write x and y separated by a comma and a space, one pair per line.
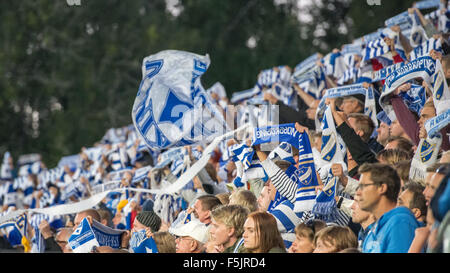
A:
361, 186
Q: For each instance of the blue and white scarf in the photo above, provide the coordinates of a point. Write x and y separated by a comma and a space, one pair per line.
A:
435, 124
240, 96
306, 64
417, 35
425, 48
171, 107
218, 89
16, 229
427, 4
441, 94
425, 156
307, 179
140, 243
423, 67
333, 151
414, 98
374, 49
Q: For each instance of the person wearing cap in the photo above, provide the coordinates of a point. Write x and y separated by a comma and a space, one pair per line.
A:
190, 237
147, 220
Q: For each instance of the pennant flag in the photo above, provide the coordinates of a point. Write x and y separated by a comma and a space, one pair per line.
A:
83, 238
171, 107
441, 94
140, 243
86, 236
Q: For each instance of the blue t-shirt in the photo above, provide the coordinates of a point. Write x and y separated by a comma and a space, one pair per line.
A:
392, 233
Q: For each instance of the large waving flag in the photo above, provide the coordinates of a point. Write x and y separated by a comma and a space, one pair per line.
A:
171, 107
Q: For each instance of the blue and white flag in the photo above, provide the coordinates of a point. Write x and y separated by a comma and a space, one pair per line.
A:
441, 93
83, 238
171, 107
86, 236
140, 243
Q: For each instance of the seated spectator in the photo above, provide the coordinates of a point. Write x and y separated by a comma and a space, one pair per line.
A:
304, 236
245, 198
333, 239
261, 234
412, 197
227, 227
190, 237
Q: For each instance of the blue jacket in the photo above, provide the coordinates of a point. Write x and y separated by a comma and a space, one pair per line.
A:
392, 233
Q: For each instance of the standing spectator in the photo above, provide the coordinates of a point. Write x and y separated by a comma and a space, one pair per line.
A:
377, 193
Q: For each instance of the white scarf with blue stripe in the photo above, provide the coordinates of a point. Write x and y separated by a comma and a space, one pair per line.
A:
441, 93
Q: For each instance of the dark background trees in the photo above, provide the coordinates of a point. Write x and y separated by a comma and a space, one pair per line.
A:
68, 73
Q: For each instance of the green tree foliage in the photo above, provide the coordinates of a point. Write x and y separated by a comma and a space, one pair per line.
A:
68, 73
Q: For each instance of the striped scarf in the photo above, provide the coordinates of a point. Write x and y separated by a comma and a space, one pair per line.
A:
425, 48
441, 94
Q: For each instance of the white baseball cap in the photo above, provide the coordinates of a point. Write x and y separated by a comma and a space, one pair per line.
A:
194, 229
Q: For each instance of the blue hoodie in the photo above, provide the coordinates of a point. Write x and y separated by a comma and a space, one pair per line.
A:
392, 233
